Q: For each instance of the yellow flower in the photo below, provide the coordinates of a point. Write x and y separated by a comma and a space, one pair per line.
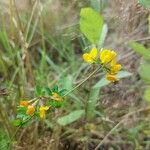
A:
56, 97
115, 67
30, 110
91, 56
111, 77
24, 103
106, 56
43, 110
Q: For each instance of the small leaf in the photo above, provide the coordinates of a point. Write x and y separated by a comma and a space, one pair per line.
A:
55, 104
140, 49
22, 110
91, 24
17, 122
48, 91
68, 119
123, 74
147, 94
55, 88
101, 83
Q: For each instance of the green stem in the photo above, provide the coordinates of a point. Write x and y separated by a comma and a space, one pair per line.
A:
83, 81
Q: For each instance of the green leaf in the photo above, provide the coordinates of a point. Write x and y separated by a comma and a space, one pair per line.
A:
55, 88
17, 122
55, 104
68, 119
104, 82
91, 24
22, 110
48, 91
147, 94
145, 3
144, 71
140, 49
123, 74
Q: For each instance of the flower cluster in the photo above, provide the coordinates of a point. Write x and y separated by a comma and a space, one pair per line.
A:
107, 59
47, 99
30, 108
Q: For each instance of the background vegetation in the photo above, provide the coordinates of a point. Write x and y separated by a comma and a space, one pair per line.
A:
41, 44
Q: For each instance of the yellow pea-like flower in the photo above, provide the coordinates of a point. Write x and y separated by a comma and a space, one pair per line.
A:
115, 67
106, 56
91, 56
30, 110
111, 77
43, 110
24, 103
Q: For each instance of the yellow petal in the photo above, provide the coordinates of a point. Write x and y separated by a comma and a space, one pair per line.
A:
42, 114
30, 110
106, 56
103, 54
115, 68
24, 103
113, 55
56, 97
93, 53
113, 62
46, 108
87, 58
111, 77
110, 56
43, 110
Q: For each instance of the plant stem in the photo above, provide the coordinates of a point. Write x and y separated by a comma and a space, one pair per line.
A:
83, 81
